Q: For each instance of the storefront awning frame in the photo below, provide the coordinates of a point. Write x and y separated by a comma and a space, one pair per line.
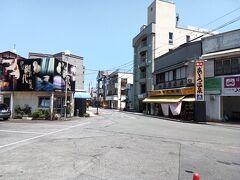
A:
163, 99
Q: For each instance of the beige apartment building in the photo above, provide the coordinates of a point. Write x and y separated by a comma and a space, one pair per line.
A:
160, 35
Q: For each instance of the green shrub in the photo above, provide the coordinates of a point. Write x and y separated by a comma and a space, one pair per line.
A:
36, 114
41, 114
18, 110
26, 110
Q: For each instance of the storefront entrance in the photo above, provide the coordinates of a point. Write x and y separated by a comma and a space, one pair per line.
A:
231, 110
58, 105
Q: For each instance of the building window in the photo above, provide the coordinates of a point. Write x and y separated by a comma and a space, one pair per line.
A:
174, 74
160, 78
227, 66
178, 73
183, 72
170, 75
44, 102
170, 38
143, 88
166, 77
187, 38
235, 65
144, 42
218, 67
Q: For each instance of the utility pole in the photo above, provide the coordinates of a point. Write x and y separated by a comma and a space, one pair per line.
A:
98, 80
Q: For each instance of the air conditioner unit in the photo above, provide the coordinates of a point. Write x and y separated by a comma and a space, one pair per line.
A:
190, 80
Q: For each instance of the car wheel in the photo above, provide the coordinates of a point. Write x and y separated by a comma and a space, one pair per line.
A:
5, 118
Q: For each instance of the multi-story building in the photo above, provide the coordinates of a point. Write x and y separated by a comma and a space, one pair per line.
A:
222, 81
174, 82
42, 83
160, 35
75, 60
117, 89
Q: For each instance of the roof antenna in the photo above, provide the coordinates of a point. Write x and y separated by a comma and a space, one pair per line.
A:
14, 49
177, 19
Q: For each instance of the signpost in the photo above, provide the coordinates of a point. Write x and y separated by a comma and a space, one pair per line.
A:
199, 80
200, 104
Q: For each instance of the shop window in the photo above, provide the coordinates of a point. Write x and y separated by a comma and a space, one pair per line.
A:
44, 102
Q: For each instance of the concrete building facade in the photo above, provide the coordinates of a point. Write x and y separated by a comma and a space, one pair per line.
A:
174, 82
222, 77
117, 89
160, 35
41, 82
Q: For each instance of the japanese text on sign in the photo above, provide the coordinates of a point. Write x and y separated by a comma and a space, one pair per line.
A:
199, 84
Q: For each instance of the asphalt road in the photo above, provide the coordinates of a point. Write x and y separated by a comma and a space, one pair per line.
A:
118, 145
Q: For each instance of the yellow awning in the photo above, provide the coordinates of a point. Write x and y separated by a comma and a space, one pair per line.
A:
163, 99
189, 99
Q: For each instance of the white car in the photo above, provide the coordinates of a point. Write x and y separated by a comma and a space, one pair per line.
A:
5, 111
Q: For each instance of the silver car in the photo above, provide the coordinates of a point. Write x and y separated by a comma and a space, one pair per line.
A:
5, 111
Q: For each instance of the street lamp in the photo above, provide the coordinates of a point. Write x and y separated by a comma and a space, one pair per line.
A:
66, 53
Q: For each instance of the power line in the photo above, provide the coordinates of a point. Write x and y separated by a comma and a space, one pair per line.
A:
213, 21
220, 27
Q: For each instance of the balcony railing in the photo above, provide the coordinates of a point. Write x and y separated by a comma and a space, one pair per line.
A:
172, 84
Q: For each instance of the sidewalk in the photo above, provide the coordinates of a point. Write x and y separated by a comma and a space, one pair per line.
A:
226, 124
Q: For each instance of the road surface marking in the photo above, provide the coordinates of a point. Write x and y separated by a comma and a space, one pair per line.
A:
23, 132
46, 134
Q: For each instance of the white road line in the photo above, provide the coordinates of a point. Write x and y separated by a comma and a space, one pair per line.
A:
131, 117
23, 132
46, 134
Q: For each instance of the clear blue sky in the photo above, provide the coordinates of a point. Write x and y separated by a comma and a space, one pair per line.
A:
100, 31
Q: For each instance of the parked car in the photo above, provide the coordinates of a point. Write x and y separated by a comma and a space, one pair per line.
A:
5, 111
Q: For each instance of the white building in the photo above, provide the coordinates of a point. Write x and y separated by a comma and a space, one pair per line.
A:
117, 89
160, 35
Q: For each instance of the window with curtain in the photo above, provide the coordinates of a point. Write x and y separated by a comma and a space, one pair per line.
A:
44, 102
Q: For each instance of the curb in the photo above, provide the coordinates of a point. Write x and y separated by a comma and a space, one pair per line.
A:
192, 122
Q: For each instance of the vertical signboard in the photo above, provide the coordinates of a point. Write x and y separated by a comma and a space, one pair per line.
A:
199, 80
